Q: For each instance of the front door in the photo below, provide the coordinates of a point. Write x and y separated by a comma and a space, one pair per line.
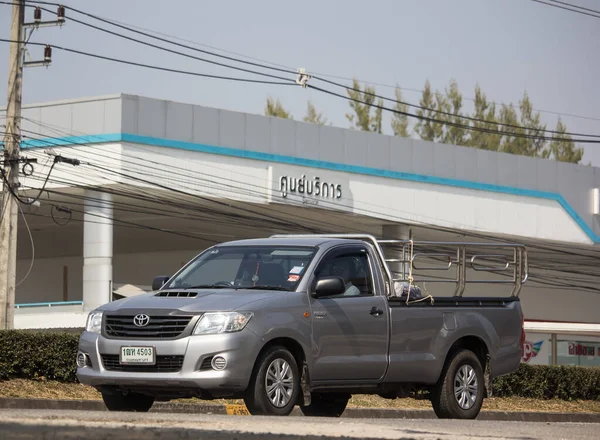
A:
350, 331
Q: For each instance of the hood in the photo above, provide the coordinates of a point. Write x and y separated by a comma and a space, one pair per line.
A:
205, 301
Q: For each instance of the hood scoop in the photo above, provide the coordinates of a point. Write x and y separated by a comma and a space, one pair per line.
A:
175, 294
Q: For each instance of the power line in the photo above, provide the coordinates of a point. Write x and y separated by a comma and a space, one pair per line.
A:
262, 188
161, 47
571, 285
562, 269
32, 249
159, 166
466, 127
454, 124
469, 118
595, 15
576, 6
265, 64
371, 213
424, 118
270, 67
278, 77
165, 69
132, 28
260, 214
147, 34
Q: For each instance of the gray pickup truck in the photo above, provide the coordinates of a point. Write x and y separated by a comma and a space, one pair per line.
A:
310, 320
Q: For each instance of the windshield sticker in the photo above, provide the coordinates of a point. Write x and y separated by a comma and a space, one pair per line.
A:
297, 269
293, 278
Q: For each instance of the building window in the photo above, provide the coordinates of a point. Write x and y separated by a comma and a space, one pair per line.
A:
585, 354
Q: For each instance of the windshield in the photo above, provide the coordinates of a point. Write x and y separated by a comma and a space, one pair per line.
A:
242, 267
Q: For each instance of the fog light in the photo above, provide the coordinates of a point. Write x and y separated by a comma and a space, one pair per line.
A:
81, 360
218, 363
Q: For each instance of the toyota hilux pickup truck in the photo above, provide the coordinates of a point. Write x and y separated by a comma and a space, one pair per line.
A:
310, 320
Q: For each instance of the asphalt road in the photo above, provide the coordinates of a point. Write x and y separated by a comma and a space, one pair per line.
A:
53, 424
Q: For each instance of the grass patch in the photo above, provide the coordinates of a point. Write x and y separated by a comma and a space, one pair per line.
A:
47, 389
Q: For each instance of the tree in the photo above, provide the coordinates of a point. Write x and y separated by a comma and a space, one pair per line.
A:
485, 112
532, 123
529, 125
400, 121
426, 129
313, 116
453, 104
562, 147
362, 119
276, 109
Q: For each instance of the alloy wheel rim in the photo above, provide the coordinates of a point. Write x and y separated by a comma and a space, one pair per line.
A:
279, 383
466, 387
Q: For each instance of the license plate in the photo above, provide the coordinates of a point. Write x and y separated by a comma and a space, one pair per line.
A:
137, 355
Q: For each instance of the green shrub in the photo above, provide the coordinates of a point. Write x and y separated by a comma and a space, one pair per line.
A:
36, 355
550, 382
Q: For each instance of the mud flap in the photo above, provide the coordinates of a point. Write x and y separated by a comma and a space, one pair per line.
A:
304, 381
488, 376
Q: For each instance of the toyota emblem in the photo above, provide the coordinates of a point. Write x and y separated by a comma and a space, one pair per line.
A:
141, 320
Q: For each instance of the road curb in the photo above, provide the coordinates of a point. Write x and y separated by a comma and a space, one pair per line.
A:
368, 413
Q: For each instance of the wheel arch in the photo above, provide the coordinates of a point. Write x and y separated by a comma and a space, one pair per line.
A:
297, 352
291, 344
479, 347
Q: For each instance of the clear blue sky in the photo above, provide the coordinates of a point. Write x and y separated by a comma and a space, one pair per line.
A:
507, 46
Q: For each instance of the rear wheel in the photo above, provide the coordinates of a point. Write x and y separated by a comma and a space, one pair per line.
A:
132, 402
459, 392
275, 384
326, 405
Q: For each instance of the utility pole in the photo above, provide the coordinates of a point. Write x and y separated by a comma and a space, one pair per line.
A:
10, 211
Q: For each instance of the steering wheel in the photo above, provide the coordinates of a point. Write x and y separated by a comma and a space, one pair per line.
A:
224, 283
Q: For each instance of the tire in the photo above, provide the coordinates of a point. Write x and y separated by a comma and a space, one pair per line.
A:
326, 405
270, 366
132, 402
460, 365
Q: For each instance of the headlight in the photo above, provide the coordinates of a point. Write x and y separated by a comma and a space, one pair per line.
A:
94, 322
222, 322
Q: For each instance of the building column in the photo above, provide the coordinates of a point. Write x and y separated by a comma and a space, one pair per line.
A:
97, 249
396, 232
554, 349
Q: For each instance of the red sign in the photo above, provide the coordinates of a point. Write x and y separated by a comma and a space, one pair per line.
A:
581, 350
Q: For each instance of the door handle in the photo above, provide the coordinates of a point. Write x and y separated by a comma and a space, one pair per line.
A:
375, 311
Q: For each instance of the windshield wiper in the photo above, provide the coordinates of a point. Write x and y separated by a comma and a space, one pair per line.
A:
209, 286
266, 288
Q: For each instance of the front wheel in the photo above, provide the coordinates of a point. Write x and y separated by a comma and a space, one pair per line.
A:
459, 392
133, 402
326, 405
275, 384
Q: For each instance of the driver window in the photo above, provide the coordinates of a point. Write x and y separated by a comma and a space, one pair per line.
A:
352, 267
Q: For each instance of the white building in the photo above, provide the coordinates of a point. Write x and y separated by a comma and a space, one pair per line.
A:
161, 181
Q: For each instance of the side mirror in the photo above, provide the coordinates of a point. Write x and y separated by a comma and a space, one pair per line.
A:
158, 282
329, 286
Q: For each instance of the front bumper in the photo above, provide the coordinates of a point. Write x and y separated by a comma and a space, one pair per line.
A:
240, 350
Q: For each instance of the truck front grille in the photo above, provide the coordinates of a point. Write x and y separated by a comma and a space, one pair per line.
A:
158, 327
164, 364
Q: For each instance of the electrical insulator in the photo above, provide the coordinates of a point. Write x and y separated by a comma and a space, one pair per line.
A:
61, 13
48, 53
37, 14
